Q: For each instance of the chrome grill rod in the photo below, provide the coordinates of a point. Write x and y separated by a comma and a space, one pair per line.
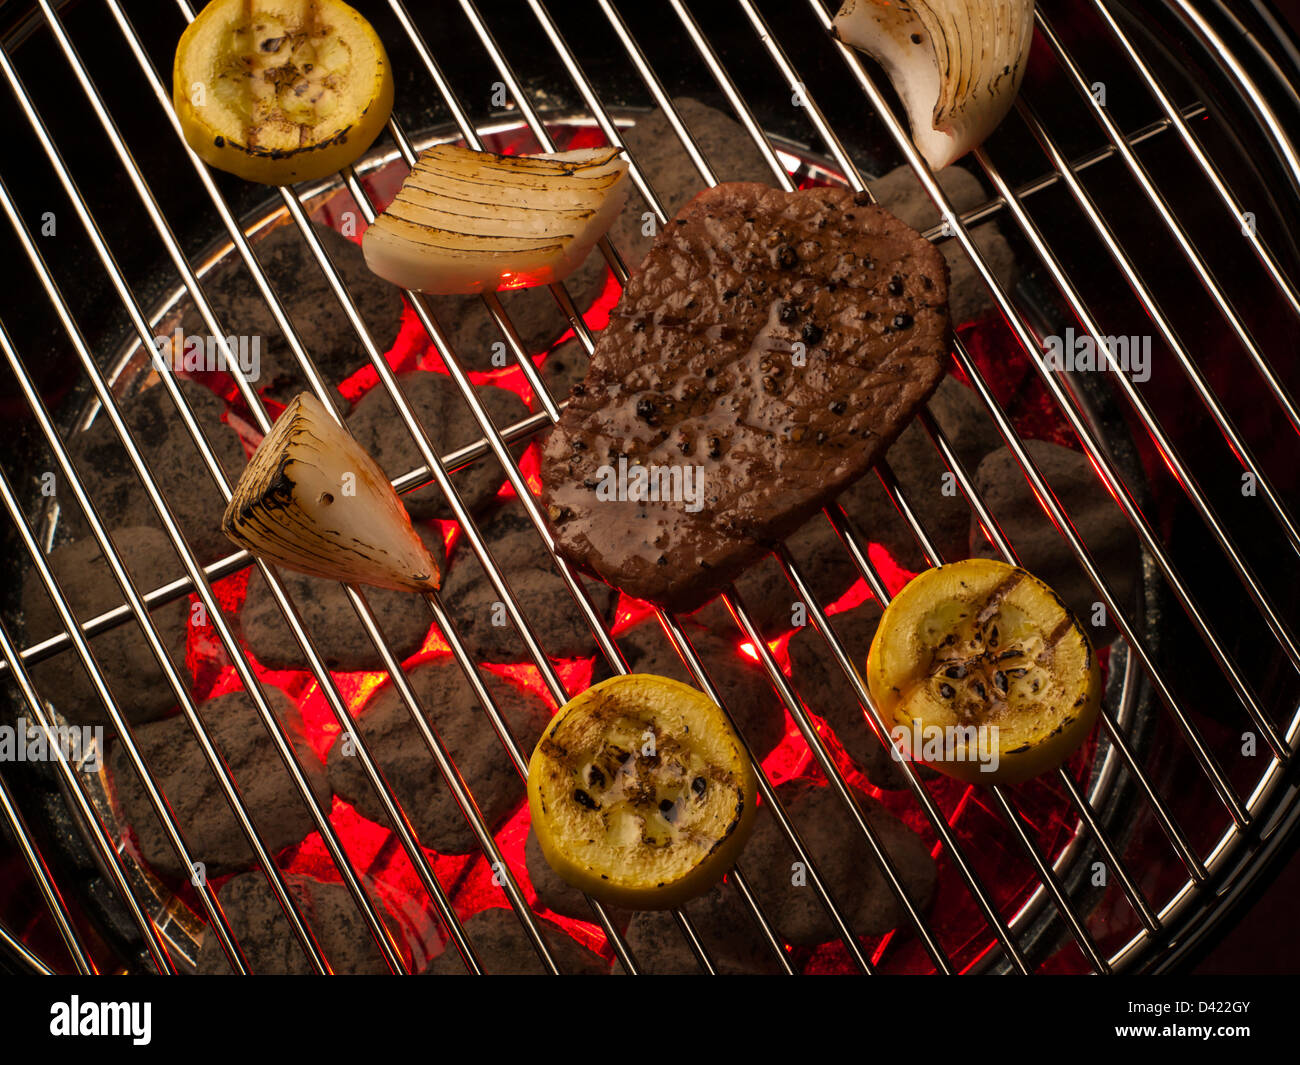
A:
715, 66
420, 476
456, 785
1157, 200
1178, 119
674, 632
792, 705
1191, 608
1209, 764
100, 841
678, 635
548, 674
322, 675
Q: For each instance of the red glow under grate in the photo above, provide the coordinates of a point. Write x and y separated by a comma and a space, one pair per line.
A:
469, 881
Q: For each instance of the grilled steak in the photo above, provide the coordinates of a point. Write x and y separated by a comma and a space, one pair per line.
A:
768, 351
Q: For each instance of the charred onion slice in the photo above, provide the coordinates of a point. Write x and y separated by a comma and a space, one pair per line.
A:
640, 793
980, 643
279, 91
313, 500
956, 64
467, 221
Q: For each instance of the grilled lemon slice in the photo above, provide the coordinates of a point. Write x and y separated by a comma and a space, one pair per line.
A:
981, 671
279, 91
640, 793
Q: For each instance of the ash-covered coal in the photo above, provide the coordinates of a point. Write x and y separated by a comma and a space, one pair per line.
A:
317, 317
503, 948
452, 708
901, 192
328, 617
825, 690
1042, 550
844, 860
479, 343
730, 934
480, 616
166, 445
564, 367
171, 751
659, 153
741, 682
929, 486
771, 600
555, 894
446, 417
134, 677
269, 944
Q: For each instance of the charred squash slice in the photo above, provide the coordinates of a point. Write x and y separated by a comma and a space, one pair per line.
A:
983, 672
640, 793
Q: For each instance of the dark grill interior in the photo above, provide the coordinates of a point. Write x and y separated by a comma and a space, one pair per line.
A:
1160, 509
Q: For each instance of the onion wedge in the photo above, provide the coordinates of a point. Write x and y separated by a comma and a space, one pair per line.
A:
311, 499
956, 64
466, 221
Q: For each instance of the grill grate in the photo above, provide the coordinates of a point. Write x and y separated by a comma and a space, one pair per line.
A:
1155, 915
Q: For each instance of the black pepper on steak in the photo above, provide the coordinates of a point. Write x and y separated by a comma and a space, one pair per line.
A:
759, 484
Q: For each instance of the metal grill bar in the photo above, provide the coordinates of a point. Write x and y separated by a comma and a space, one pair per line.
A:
376, 781
495, 440
735, 97
453, 461
295, 210
792, 704
1240, 448
1190, 253
1135, 897
677, 635
40, 870
594, 622
1177, 119
19, 948
613, 656
1064, 402
937, 820
724, 81
1071, 293
125, 582
418, 859
100, 842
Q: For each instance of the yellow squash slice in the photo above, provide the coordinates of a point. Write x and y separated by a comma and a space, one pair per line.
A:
278, 91
981, 671
640, 793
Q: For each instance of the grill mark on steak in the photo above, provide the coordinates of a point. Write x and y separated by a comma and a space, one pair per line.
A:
698, 367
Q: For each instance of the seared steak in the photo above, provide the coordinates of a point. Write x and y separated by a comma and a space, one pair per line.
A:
768, 351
